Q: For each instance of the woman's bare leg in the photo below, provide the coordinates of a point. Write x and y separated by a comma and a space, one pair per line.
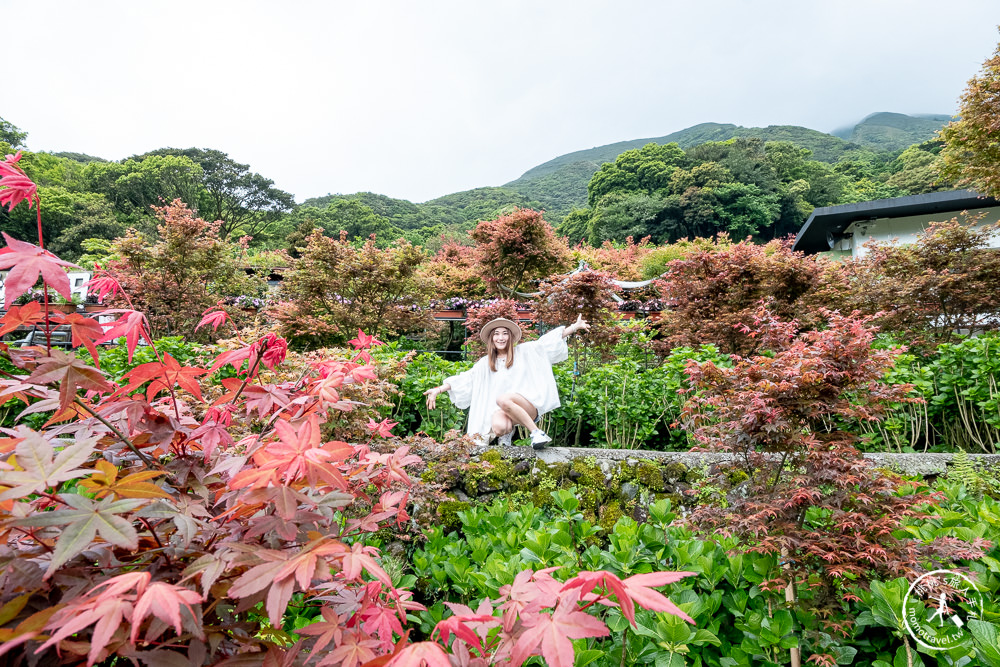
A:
501, 423
519, 410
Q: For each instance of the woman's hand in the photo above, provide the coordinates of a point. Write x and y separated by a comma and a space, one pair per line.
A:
580, 324
432, 394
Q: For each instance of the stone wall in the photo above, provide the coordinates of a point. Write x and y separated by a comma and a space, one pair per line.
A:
612, 482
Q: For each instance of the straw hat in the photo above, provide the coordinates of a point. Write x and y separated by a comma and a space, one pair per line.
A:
487, 330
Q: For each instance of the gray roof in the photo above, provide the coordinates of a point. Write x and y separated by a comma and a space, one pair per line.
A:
835, 219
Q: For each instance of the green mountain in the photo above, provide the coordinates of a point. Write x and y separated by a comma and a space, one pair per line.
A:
886, 131
561, 183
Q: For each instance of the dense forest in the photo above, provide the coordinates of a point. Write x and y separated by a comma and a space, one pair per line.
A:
759, 182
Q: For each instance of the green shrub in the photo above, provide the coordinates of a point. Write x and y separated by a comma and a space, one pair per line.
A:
425, 370
739, 618
959, 384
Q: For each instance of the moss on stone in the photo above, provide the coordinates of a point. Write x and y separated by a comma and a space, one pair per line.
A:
609, 515
448, 511
491, 474
492, 456
737, 476
674, 472
429, 476
589, 473
649, 475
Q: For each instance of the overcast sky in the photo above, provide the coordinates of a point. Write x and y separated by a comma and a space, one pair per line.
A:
421, 98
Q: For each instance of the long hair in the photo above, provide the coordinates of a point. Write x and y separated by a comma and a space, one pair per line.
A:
493, 353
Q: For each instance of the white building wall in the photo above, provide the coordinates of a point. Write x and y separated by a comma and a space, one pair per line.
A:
906, 230
77, 283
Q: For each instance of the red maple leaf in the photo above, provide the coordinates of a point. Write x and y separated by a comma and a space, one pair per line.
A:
164, 601
552, 633
214, 317
162, 376
71, 373
364, 341
297, 453
15, 186
382, 428
28, 314
352, 651
421, 654
26, 263
103, 284
329, 629
234, 357
210, 435
86, 331
639, 588
265, 398
131, 324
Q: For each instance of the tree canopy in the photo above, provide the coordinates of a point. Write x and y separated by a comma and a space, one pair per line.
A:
972, 143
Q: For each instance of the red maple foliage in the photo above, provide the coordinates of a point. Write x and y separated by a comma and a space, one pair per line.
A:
809, 497
142, 524
516, 248
621, 261
715, 288
586, 293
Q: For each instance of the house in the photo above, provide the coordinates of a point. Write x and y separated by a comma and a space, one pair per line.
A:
77, 282
846, 228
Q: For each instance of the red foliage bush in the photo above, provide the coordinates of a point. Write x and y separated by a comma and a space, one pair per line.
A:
621, 261
516, 248
945, 284
587, 293
810, 497
713, 290
454, 273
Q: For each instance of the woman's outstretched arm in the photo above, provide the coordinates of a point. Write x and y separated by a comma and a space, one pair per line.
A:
432, 394
580, 324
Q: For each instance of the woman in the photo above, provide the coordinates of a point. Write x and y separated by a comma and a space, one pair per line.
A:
512, 384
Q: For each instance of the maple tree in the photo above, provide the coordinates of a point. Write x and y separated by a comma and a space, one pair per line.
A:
971, 153
335, 288
174, 279
516, 248
453, 271
586, 293
809, 497
179, 518
713, 289
944, 285
622, 261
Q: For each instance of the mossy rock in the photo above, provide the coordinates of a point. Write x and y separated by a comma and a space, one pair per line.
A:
609, 514
490, 475
674, 472
587, 472
649, 475
737, 476
448, 511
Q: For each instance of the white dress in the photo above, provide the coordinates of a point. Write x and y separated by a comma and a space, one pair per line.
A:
530, 376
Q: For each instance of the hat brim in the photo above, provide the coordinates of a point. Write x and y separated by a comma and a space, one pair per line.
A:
511, 326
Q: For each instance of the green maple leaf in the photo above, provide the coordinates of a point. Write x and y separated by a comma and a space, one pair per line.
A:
84, 521
34, 454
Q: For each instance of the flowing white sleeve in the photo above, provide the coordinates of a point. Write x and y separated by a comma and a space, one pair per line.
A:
461, 387
554, 345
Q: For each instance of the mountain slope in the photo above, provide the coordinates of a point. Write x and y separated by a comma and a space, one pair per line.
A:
886, 131
561, 183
